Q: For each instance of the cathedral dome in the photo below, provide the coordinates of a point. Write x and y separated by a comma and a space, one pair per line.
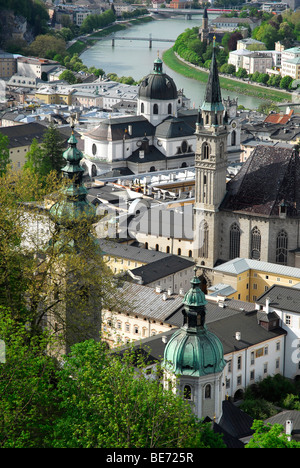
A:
158, 85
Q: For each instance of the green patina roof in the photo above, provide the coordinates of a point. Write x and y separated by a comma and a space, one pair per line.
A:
193, 349
74, 206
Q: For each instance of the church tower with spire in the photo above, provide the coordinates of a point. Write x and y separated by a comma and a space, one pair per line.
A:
204, 30
210, 169
194, 358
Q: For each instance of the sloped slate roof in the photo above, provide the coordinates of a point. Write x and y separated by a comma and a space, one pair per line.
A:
269, 177
282, 297
173, 128
115, 128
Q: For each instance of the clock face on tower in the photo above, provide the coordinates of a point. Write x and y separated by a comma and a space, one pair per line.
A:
233, 125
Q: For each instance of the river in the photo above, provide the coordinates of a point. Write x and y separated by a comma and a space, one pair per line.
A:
135, 58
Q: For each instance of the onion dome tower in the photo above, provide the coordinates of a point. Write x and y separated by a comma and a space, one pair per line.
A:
157, 97
195, 356
74, 206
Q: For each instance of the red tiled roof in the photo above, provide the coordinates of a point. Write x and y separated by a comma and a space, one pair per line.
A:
279, 118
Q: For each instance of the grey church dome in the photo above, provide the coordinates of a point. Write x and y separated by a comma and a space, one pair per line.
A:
158, 85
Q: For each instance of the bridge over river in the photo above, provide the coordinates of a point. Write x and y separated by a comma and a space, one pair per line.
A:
150, 39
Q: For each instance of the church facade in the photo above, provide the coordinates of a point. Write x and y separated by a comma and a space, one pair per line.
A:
161, 136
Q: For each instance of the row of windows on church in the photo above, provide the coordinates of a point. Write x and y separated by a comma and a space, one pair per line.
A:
281, 254
155, 108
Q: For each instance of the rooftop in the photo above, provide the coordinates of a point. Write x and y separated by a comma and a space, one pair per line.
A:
240, 265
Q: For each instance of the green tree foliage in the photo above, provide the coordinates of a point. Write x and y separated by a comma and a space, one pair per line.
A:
92, 22
33, 10
4, 154
68, 76
52, 149
190, 47
26, 385
95, 400
285, 82
47, 46
268, 436
114, 404
47, 157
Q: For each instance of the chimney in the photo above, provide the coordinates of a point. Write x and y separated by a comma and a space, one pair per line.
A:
238, 336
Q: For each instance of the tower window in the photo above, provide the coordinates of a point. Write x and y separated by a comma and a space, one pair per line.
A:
187, 392
169, 108
234, 241
205, 150
233, 138
207, 392
155, 109
142, 108
203, 239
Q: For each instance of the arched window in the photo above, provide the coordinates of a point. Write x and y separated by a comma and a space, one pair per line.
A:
205, 150
179, 252
146, 245
169, 108
207, 391
282, 247
207, 119
233, 138
203, 239
255, 243
187, 392
142, 108
168, 249
155, 109
157, 248
234, 241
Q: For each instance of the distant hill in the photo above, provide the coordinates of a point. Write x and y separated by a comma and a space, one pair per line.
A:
22, 20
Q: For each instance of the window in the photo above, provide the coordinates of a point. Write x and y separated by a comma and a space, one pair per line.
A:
288, 320
239, 363
252, 358
233, 138
142, 108
187, 392
234, 241
207, 392
252, 375
203, 239
169, 108
255, 243
281, 247
205, 150
155, 109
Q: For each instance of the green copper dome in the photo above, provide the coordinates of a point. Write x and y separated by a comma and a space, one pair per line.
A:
193, 349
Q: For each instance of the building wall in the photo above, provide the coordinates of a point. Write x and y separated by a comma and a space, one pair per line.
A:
121, 328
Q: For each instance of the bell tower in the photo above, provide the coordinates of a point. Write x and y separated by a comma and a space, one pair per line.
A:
210, 169
196, 357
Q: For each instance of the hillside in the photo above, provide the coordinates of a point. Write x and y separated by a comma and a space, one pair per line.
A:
21, 20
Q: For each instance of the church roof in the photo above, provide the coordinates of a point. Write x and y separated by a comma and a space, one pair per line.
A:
173, 128
269, 178
114, 129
